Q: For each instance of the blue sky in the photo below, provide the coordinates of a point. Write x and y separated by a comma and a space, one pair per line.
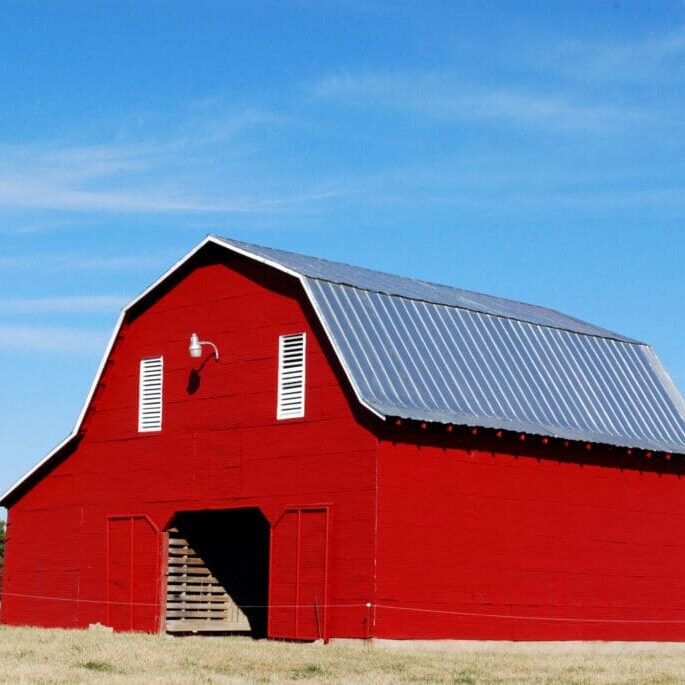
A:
532, 152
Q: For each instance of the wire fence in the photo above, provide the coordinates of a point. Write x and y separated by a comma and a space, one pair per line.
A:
374, 606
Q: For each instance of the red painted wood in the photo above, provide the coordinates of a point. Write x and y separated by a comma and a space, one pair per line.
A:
133, 574
509, 538
119, 571
312, 574
146, 548
299, 582
284, 586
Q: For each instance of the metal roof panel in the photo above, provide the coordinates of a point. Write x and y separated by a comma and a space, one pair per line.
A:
432, 362
390, 284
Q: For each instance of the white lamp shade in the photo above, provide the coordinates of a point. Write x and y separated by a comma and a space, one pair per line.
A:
195, 349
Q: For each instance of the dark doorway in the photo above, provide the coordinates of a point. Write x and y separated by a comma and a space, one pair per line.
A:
226, 550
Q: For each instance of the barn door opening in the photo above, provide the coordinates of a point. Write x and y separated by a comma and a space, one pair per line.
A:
218, 572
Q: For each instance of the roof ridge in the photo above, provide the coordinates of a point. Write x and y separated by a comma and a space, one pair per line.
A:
335, 262
610, 336
591, 330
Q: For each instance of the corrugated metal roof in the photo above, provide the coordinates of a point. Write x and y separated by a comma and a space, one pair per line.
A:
390, 284
434, 353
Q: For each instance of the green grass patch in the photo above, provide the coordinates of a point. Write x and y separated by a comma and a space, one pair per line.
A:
99, 666
307, 671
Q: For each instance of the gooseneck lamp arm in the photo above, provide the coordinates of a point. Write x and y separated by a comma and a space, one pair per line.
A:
195, 347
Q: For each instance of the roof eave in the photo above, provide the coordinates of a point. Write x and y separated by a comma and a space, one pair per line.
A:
554, 432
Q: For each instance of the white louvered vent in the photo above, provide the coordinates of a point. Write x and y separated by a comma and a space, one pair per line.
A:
291, 368
150, 395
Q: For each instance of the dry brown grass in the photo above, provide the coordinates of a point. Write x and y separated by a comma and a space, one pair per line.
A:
30, 655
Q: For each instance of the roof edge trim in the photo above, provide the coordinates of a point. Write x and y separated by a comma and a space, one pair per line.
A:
98, 374
341, 359
216, 240
519, 426
662, 374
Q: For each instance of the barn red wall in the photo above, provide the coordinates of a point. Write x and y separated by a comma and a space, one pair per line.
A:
591, 539
220, 447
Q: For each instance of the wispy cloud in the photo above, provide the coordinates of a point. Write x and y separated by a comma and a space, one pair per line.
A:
486, 185
653, 59
63, 340
204, 165
74, 261
27, 193
63, 305
441, 96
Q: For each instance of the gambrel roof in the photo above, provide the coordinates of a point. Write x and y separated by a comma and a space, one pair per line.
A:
429, 352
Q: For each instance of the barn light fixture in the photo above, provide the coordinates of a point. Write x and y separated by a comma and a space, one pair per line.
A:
195, 347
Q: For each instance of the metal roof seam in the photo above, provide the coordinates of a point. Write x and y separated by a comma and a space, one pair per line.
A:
278, 258
617, 337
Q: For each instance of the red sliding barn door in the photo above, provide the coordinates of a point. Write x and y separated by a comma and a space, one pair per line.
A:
299, 570
133, 574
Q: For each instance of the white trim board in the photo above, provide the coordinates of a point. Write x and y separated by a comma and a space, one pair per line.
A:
215, 240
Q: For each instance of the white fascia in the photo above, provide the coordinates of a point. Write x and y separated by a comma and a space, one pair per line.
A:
226, 244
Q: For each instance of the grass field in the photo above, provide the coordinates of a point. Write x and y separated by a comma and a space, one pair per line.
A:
30, 655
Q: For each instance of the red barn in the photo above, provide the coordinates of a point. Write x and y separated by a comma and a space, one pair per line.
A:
345, 453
